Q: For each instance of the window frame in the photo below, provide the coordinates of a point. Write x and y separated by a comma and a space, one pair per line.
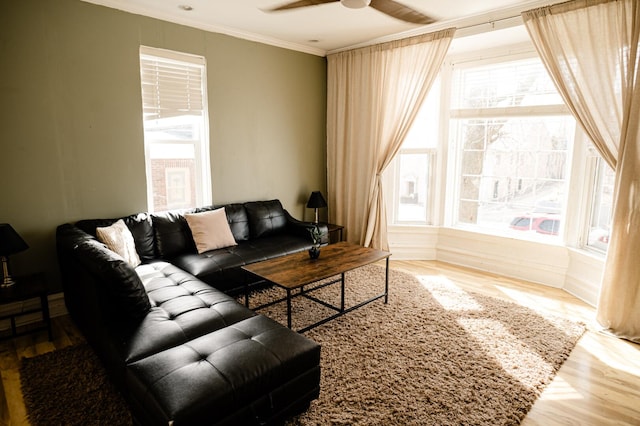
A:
201, 145
595, 169
392, 178
454, 165
436, 164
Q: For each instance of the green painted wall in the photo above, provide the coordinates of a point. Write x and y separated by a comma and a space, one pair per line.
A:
71, 145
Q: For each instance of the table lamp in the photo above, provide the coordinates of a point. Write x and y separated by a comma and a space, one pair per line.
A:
10, 243
316, 201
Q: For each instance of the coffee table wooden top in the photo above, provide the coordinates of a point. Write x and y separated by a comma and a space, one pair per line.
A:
296, 270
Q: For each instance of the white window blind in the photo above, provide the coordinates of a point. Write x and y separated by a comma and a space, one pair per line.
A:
171, 87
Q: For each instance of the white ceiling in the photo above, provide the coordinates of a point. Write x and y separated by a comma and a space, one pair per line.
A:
326, 28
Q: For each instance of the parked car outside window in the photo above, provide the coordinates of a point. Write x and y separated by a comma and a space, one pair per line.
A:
547, 224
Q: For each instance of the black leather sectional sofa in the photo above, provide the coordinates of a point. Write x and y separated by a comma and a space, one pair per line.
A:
169, 332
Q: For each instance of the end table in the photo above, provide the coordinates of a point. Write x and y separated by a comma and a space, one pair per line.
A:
335, 231
27, 287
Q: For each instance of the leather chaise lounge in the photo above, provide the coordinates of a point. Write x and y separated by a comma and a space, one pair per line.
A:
169, 332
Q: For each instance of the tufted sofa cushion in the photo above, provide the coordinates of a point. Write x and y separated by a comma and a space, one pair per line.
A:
222, 268
221, 372
182, 308
140, 226
238, 221
265, 218
121, 284
172, 234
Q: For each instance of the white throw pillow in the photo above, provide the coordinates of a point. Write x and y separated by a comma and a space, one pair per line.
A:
120, 240
210, 230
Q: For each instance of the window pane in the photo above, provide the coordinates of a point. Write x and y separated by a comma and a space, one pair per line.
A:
424, 131
173, 174
518, 83
601, 207
184, 127
413, 187
513, 172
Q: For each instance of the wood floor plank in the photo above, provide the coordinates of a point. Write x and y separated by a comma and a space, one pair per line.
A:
13, 397
599, 384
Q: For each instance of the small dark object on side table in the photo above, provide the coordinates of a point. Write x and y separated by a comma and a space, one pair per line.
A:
316, 236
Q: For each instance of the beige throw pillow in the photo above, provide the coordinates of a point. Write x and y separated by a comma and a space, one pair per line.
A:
120, 240
210, 230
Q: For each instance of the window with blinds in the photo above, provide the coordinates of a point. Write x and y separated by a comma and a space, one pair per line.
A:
175, 117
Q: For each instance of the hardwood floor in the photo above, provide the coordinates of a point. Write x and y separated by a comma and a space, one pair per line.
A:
598, 385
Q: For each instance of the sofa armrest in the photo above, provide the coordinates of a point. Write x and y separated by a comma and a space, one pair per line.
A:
302, 229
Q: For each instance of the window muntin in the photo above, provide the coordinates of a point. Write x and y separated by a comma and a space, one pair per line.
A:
175, 123
601, 205
513, 138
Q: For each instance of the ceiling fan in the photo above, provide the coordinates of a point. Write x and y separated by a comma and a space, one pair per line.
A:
388, 7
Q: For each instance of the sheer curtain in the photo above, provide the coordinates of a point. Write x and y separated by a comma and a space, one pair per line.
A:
373, 96
590, 48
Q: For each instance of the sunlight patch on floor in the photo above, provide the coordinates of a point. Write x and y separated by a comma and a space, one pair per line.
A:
450, 296
522, 298
514, 356
623, 358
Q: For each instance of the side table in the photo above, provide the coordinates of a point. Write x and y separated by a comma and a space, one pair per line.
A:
27, 287
333, 231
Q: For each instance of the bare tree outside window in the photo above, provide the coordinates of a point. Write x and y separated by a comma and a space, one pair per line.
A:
513, 148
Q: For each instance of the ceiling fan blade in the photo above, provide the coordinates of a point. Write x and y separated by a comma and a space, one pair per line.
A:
402, 12
301, 3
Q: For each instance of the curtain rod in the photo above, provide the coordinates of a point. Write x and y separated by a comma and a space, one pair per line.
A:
513, 13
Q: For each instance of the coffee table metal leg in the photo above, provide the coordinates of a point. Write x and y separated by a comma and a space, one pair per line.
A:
46, 317
342, 293
386, 283
289, 308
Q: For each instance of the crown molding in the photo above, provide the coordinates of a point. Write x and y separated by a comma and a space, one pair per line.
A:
219, 29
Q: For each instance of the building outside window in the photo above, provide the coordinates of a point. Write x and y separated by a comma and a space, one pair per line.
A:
513, 137
176, 135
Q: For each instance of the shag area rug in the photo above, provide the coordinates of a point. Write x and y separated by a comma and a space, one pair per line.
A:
434, 355
70, 387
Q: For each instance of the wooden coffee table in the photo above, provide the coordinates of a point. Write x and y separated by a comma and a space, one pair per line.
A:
295, 271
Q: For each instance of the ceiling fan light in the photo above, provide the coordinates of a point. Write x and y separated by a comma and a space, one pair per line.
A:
355, 4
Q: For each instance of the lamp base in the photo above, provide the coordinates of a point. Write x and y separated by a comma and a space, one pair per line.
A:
7, 281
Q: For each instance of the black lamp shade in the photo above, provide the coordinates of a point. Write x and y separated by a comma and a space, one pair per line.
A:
10, 241
316, 200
